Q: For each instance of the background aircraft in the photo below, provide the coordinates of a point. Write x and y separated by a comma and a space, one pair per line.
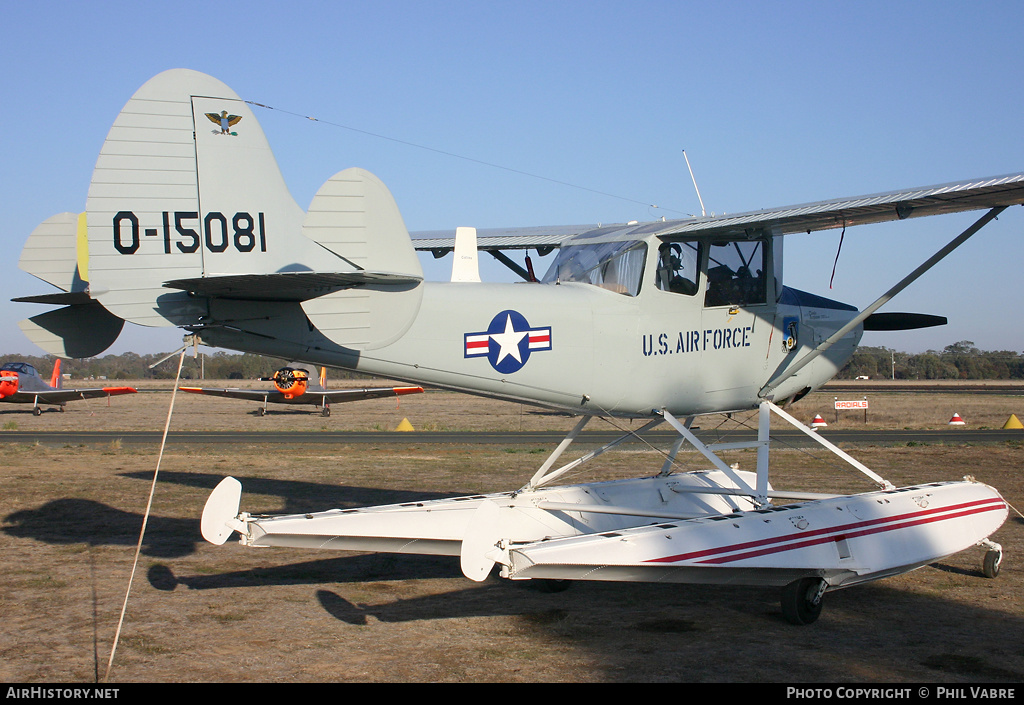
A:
20, 383
299, 384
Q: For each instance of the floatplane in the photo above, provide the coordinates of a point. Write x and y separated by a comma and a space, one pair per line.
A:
189, 223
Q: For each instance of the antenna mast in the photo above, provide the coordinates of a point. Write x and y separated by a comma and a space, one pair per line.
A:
702, 211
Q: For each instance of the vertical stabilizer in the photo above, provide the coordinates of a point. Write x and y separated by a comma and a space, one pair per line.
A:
53, 252
55, 378
465, 267
186, 186
355, 216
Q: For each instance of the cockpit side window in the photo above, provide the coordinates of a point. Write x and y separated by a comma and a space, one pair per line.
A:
736, 273
678, 267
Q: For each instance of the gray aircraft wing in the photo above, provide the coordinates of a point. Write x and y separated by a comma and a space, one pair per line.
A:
235, 393
441, 242
60, 396
334, 396
956, 197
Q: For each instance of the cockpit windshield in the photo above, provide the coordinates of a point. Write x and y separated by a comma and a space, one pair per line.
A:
22, 367
617, 266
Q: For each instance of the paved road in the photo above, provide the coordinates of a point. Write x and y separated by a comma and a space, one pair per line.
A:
872, 387
780, 438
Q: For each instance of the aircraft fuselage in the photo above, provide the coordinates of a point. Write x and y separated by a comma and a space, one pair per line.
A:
576, 346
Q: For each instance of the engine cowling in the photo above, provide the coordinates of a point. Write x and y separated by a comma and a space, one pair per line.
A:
291, 382
8, 384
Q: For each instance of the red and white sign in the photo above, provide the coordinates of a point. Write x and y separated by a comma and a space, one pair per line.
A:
857, 404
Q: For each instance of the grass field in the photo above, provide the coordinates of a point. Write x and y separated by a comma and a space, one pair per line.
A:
202, 613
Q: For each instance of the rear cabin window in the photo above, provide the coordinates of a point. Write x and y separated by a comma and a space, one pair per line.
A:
736, 273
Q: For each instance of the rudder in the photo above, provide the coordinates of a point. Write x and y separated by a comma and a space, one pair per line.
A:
176, 194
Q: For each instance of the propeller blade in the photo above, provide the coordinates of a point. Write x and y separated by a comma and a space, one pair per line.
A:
902, 321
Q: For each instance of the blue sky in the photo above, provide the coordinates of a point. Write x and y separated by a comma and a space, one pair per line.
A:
775, 103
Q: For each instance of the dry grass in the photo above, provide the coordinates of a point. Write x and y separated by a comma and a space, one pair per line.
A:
448, 411
204, 613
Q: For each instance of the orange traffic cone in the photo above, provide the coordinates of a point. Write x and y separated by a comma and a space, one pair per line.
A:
956, 420
818, 422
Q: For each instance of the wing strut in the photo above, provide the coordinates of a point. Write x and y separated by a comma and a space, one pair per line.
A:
767, 390
543, 477
505, 260
761, 494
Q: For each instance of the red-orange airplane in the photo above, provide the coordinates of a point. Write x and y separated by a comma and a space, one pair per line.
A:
20, 383
298, 384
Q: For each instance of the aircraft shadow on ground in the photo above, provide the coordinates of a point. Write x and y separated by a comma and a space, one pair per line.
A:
619, 622
73, 520
27, 409
345, 568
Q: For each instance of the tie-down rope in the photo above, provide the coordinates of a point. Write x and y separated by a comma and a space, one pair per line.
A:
145, 517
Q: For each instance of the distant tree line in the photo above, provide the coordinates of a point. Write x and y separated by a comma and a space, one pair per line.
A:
217, 365
960, 360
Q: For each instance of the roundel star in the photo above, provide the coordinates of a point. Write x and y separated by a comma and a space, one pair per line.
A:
508, 342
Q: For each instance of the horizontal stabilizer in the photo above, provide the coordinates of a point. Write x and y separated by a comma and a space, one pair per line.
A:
286, 286
902, 321
64, 298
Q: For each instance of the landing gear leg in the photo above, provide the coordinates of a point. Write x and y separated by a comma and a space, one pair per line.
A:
552, 585
993, 560
801, 600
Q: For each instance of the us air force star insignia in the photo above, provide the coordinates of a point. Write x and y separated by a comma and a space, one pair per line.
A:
508, 342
